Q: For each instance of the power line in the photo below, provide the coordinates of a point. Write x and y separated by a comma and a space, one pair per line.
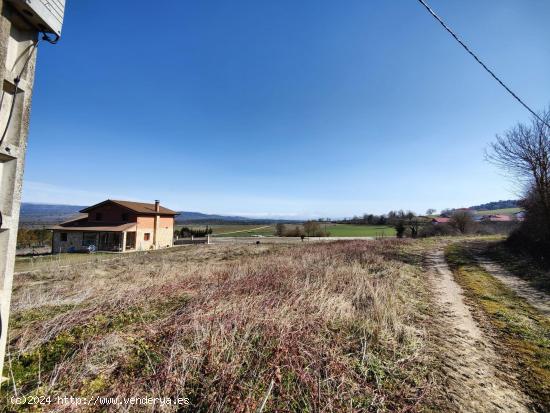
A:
477, 59
18, 79
16, 86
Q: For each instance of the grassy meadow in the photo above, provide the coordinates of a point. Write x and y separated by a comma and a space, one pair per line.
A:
234, 230
342, 326
334, 230
506, 211
351, 230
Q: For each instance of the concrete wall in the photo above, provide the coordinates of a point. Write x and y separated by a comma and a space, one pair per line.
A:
165, 232
16, 45
141, 243
145, 225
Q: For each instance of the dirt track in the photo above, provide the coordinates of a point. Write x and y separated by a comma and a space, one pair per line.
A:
472, 363
536, 298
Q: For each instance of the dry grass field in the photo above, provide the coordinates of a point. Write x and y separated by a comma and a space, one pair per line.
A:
324, 327
358, 326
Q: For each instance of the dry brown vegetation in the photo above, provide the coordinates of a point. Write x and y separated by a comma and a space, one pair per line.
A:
320, 327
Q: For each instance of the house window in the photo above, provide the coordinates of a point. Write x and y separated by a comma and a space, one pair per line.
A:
88, 238
98, 216
125, 217
146, 236
63, 236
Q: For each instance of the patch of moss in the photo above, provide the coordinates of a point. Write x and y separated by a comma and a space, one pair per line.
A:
523, 333
24, 318
95, 386
26, 368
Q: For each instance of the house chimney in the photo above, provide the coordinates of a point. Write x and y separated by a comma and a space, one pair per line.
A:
156, 224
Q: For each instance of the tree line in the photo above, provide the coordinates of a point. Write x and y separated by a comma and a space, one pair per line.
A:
365, 219
409, 224
186, 232
307, 229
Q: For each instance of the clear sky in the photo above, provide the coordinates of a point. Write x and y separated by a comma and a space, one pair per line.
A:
282, 108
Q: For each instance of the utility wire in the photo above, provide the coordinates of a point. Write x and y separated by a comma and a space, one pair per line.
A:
16, 85
477, 59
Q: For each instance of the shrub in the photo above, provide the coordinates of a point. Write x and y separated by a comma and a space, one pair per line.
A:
399, 229
297, 231
27, 238
463, 221
186, 232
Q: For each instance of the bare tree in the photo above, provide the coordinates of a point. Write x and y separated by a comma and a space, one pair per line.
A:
313, 229
430, 211
415, 223
462, 220
524, 151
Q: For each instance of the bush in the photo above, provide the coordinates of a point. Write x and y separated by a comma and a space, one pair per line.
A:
27, 238
297, 231
187, 232
494, 228
400, 229
280, 230
438, 230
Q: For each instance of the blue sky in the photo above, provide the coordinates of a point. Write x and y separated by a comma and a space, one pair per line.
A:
282, 108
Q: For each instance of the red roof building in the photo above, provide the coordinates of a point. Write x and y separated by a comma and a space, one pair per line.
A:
116, 226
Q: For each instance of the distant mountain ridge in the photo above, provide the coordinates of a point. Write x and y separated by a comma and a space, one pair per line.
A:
199, 216
42, 214
36, 214
490, 206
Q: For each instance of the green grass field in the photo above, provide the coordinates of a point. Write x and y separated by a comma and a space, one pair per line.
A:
243, 230
350, 230
498, 211
335, 230
236, 230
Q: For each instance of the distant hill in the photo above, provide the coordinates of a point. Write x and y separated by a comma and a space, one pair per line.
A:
186, 216
44, 214
490, 206
34, 214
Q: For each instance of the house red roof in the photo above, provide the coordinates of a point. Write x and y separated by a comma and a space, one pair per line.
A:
441, 220
139, 207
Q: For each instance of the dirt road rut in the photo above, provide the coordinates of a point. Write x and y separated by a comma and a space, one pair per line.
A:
471, 364
536, 298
